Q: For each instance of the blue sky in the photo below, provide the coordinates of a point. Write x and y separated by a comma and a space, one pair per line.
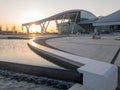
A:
22, 11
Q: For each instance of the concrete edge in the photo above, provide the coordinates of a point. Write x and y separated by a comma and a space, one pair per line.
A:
96, 75
59, 74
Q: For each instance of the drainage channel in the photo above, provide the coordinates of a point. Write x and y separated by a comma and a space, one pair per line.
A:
115, 57
112, 62
58, 78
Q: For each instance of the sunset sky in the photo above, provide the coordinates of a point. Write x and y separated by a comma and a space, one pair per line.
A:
22, 11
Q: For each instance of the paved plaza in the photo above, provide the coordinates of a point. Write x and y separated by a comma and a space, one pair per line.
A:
103, 49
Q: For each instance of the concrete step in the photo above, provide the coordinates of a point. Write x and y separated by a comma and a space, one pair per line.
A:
79, 87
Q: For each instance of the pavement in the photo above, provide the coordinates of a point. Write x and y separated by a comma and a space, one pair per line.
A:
104, 49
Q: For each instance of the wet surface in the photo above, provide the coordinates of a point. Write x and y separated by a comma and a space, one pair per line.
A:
17, 51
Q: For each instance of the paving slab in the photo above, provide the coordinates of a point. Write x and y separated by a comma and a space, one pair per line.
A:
118, 60
103, 49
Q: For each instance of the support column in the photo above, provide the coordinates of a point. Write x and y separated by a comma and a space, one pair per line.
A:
47, 26
69, 28
56, 21
74, 23
56, 24
62, 20
43, 28
27, 27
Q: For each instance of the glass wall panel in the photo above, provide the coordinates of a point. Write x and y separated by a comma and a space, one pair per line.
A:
86, 15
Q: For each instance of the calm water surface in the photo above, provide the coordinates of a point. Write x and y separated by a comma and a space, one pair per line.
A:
13, 50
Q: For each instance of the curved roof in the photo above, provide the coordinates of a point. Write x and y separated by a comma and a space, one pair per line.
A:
70, 12
111, 19
66, 14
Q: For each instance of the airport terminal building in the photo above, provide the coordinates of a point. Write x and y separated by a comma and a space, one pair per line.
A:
74, 21
109, 23
79, 21
71, 21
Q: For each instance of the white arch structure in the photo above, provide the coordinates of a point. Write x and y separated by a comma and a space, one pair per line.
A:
76, 16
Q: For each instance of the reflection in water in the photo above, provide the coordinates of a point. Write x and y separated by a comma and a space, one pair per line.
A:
18, 51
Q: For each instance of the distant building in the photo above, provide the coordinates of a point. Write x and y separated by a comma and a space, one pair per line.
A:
79, 21
67, 28
7, 32
109, 23
71, 21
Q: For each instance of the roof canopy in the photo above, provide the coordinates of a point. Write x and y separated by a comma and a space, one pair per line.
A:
70, 14
112, 19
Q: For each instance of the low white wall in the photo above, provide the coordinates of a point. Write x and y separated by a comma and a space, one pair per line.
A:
96, 75
99, 76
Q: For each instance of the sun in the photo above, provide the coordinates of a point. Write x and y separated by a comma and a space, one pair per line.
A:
35, 29
30, 16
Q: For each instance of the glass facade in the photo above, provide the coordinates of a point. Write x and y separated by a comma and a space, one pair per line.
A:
103, 29
106, 29
68, 26
87, 15
73, 26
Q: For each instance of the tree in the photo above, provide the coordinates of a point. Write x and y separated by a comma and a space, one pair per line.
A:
6, 28
0, 28
21, 28
13, 28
